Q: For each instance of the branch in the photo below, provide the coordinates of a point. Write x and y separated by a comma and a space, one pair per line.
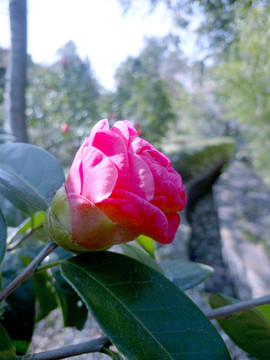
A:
71, 350
28, 271
16, 243
228, 310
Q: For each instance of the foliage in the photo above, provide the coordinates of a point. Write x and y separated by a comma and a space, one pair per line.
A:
123, 294
246, 326
216, 27
192, 156
142, 95
136, 301
163, 94
63, 93
243, 84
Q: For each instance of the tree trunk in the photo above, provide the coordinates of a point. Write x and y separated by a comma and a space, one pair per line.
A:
15, 120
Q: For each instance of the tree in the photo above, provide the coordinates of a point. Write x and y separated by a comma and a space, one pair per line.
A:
142, 95
242, 84
65, 93
15, 120
216, 29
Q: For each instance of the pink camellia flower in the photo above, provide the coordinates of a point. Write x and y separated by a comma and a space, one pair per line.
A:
119, 186
65, 128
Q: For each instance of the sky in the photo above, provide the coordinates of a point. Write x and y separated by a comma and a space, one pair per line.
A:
98, 27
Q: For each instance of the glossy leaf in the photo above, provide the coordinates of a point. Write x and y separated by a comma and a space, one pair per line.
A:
7, 350
114, 355
9, 211
249, 329
147, 244
45, 294
137, 254
18, 310
143, 313
185, 274
74, 310
28, 224
26, 176
3, 236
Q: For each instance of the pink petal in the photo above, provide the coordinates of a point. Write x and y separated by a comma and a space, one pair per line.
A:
138, 145
114, 147
142, 182
101, 125
99, 175
74, 181
126, 130
91, 228
174, 222
160, 202
145, 219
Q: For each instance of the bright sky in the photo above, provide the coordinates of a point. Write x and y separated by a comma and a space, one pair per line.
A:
98, 28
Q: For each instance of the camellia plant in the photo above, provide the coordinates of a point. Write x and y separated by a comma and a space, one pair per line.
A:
120, 191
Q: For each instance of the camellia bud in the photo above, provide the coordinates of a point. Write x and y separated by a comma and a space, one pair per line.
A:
76, 224
119, 187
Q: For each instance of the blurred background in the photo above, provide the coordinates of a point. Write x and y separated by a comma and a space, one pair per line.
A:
192, 76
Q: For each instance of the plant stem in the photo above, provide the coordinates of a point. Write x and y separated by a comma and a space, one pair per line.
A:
228, 310
69, 351
16, 243
28, 271
50, 265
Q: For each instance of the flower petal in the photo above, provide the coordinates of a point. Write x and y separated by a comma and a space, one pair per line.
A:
142, 182
101, 125
99, 175
74, 180
174, 222
114, 147
141, 218
126, 130
91, 228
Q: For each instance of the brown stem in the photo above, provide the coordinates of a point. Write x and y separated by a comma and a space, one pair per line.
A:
28, 271
69, 351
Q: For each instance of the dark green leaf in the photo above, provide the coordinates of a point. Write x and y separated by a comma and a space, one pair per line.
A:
31, 223
137, 254
114, 355
249, 329
27, 227
29, 176
3, 236
45, 294
265, 310
18, 310
7, 350
73, 309
10, 212
143, 313
185, 274
147, 244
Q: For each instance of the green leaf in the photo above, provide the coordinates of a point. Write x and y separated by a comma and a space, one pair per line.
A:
147, 244
74, 310
28, 224
143, 313
45, 294
26, 176
3, 236
18, 310
185, 274
137, 254
9, 211
249, 329
114, 355
7, 350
